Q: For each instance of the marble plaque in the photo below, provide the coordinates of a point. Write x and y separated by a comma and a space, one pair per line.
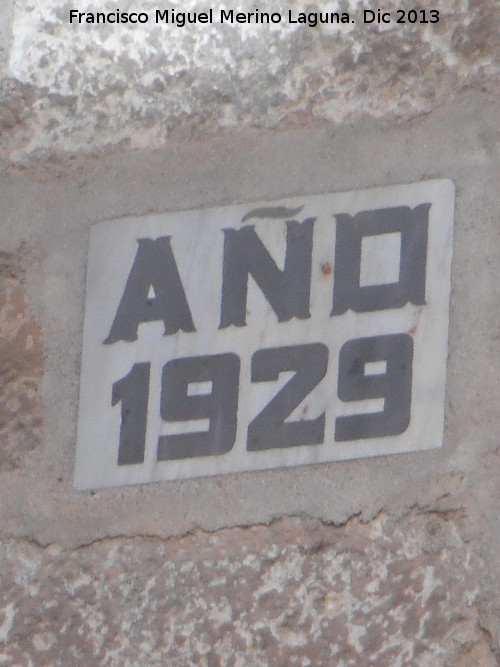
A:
264, 335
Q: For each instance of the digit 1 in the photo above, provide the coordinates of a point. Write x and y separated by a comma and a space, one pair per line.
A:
393, 385
132, 391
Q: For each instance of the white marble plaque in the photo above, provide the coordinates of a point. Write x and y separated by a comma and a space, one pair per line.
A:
265, 335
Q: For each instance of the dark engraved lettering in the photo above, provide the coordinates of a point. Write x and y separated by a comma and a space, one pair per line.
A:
393, 385
287, 291
154, 266
272, 212
219, 406
413, 226
132, 391
269, 429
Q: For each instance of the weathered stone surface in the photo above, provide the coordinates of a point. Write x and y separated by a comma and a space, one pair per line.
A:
20, 367
80, 87
297, 592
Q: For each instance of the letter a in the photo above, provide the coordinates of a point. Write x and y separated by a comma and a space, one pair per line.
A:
154, 266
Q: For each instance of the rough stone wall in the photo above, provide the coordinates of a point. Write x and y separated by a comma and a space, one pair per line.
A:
390, 561
297, 592
71, 87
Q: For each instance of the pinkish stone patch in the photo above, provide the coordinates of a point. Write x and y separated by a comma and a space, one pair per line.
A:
20, 367
297, 592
